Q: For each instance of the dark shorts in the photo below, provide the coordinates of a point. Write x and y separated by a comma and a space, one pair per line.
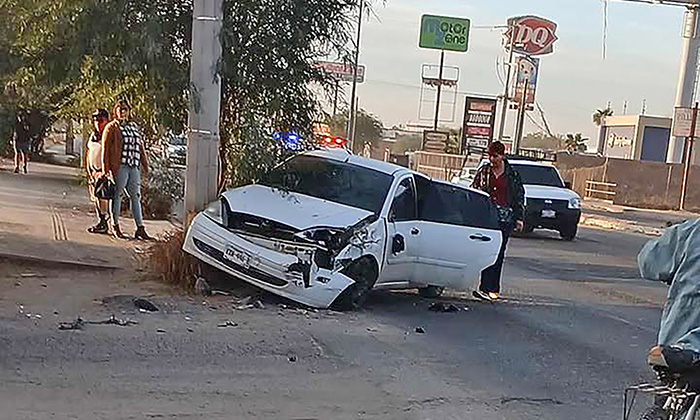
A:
22, 147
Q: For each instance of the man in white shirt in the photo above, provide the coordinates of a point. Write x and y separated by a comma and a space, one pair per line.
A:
100, 118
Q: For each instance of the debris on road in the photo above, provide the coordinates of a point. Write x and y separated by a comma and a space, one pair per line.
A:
145, 305
201, 287
115, 321
420, 330
292, 359
443, 307
78, 324
227, 324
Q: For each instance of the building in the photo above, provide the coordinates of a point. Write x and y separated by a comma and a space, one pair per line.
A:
635, 137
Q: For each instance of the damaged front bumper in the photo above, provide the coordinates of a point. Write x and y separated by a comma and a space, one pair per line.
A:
267, 263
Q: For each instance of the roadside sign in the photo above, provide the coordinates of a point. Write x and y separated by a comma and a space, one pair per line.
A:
341, 71
531, 35
444, 33
435, 141
683, 121
528, 72
479, 121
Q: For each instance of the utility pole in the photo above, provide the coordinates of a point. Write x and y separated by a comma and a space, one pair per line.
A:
439, 90
506, 90
353, 110
204, 106
688, 158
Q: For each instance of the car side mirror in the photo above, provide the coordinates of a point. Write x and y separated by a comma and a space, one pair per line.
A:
567, 184
398, 244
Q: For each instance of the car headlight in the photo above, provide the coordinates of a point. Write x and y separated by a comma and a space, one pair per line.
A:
214, 211
575, 203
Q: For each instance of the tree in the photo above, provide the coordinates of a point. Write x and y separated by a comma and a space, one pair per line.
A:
368, 130
543, 141
600, 114
575, 143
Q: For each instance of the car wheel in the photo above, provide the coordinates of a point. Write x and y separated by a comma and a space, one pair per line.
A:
431, 291
568, 233
365, 272
528, 229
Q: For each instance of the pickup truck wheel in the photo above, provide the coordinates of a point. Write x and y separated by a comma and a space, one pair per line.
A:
528, 229
431, 291
568, 233
365, 272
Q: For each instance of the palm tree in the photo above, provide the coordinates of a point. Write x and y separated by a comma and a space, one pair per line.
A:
575, 143
600, 114
599, 117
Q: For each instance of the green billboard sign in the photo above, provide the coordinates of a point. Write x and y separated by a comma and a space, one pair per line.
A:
444, 33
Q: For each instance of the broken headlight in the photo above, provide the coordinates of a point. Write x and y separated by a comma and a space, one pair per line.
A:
363, 237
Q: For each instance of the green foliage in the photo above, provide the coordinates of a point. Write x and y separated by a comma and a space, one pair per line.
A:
163, 187
600, 114
407, 143
369, 127
543, 141
575, 143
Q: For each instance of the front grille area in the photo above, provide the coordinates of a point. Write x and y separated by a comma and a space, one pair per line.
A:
251, 271
259, 226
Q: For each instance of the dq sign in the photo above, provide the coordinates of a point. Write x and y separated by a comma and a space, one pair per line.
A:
531, 35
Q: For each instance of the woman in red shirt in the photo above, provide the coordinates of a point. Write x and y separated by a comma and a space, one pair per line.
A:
504, 186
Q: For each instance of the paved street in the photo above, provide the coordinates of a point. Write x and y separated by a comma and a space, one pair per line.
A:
571, 332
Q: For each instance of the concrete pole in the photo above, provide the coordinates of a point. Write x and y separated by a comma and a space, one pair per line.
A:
204, 106
686, 77
351, 116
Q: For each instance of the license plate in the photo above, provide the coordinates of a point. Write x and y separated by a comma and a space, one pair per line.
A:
549, 214
237, 256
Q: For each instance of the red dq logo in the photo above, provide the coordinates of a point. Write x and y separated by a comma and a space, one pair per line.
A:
531, 35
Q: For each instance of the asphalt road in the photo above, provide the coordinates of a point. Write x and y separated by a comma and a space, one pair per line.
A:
571, 332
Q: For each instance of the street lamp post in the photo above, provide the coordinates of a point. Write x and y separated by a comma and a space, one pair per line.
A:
353, 109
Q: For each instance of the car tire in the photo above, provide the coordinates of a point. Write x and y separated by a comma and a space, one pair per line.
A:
528, 229
365, 272
568, 233
431, 291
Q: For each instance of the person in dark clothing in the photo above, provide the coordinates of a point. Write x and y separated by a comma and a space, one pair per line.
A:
504, 186
22, 141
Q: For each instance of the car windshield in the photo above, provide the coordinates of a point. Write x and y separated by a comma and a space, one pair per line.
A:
539, 175
332, 180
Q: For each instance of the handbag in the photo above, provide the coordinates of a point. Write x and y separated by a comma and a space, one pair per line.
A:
105, 188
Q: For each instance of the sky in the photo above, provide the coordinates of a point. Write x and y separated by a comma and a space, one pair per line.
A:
642, 61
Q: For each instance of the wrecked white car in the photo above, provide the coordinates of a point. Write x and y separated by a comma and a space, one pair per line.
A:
326, 227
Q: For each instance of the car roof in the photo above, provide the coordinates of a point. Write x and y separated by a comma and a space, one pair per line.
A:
343, 155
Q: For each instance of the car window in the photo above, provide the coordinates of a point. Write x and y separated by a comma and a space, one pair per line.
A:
403, 207
332, 180
448, 204
539, 175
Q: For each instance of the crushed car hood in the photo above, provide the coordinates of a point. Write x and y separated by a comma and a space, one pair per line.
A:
295, 210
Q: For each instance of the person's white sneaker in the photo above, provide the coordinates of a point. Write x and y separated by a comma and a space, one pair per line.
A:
482, 296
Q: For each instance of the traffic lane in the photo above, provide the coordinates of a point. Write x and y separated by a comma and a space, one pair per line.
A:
529, 358
552, 347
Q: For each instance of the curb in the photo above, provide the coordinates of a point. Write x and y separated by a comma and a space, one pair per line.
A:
619, 225
56, 263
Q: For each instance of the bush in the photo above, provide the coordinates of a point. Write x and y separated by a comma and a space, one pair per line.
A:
166, 262
163, 187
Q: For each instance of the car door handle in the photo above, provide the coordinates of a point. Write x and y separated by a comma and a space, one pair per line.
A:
480, 237
415, 231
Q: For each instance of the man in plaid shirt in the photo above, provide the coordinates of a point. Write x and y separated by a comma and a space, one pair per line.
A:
124, 160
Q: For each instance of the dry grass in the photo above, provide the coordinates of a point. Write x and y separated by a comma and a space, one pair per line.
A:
166, 262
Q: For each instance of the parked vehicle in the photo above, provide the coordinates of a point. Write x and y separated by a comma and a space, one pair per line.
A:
549, 203
326, 227
176, 150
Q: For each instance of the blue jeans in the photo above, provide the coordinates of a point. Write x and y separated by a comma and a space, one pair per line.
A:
129, 178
